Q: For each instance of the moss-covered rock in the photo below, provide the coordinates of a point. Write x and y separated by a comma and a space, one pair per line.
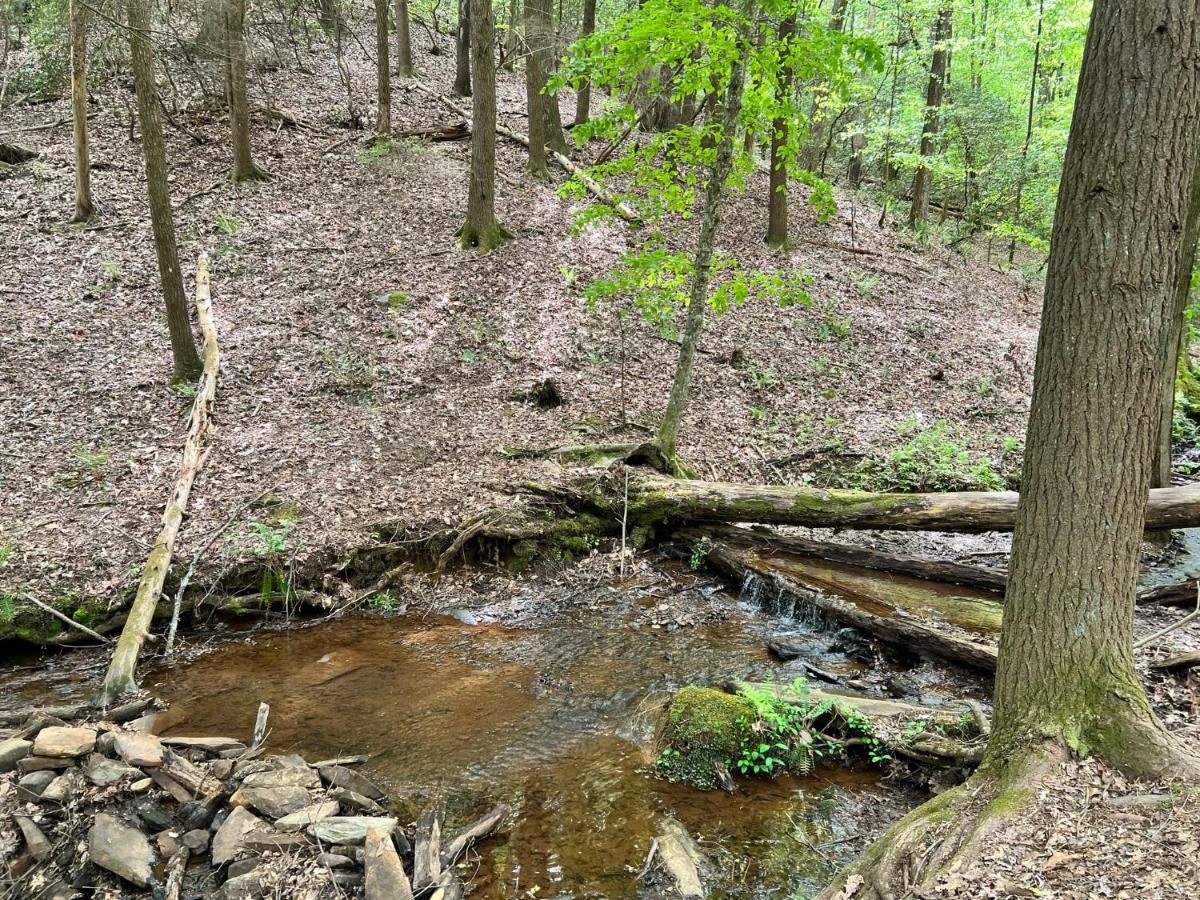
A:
703, 727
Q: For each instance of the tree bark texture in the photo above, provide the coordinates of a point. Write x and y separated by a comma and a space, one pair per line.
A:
183, 345
542, 43
383, 71
84, 208
462, 50
404, 63
534, 80
934, 94
583, 99
1066, 669
777, 200
244, 168
710, 218
481, 229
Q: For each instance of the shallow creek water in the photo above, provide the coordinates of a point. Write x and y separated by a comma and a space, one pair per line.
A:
555, 717
556, 720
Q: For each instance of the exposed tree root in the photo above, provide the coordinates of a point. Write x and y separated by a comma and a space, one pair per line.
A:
940, 838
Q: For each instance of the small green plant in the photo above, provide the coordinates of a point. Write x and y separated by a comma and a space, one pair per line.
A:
228, 223
268, 539
931, 460
379, 148
351, 374
700, 551
470, 355
6, 550
384, 602
866, 284
93, 460
985, 386
763, 379
832, 326
918, 328
569, 275
397, 300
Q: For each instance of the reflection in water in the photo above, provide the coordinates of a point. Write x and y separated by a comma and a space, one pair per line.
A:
557, 721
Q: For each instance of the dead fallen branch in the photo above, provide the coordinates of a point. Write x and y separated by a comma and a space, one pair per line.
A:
76, 625
1182, 593
122, 669
14, 154
1180, 662
459, 131
621, 208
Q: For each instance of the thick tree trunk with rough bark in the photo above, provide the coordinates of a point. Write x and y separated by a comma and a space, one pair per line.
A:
481, 230
244, 168
534, 80
1065, 679
462, 50
934, 93
183, 345
404, 63
710, 218
383, 71
542, 43
777, 200
1112, 299
84, 208
583, 99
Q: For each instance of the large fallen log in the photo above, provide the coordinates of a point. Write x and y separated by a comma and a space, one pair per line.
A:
907, 632
120, 679
656, 498
938, 570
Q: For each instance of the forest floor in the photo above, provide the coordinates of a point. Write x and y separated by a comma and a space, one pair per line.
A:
373, 373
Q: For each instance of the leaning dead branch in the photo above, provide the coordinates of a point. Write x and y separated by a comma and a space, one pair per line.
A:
122, 669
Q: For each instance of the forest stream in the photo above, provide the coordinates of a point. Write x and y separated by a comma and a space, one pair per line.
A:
558, 720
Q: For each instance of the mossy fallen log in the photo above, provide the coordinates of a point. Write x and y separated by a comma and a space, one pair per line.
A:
656, 498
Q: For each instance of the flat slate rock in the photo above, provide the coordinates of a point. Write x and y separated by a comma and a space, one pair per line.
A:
13, 750
302, 818
385, 878
340, 776
347, 797
139, 749
102, 771
37, 842
38, 763
274, 802
228, 842
122, 850
207, 744
349, 829
58, 740
293, 776
30, 787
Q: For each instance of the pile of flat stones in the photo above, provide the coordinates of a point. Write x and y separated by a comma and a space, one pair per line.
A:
89, 807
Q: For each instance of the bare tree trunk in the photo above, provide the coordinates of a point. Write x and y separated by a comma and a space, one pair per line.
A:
244, 168
1066, 669
934, 93
404, 63
481, 230
777, 199
84, 208
383, 71
583, 99
533, 93
1160, 471
187, 366
543, 45
328, 16
512, 38
668, 430
1033, 80
210, 39
462, 56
